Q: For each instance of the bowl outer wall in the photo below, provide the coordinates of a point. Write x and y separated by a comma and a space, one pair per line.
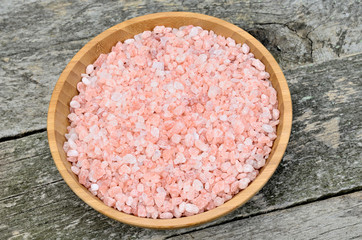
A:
65, 89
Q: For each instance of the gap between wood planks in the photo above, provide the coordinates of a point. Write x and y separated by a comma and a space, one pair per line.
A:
21, 135
308, 201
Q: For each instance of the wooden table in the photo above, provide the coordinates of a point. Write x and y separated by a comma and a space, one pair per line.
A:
316, 191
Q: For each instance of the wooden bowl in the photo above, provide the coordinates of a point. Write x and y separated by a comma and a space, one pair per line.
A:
65, 89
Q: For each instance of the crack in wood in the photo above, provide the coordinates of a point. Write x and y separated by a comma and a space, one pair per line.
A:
21, 135
309, 201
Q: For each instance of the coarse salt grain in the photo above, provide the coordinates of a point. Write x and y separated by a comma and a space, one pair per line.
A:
171, 123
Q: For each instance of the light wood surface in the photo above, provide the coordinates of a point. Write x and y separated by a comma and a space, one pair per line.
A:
65, 89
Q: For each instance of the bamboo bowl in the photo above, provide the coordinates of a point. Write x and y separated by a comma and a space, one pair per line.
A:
65, 89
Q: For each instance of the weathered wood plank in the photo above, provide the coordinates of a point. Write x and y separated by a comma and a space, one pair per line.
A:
322, 159
26, 84
333, 26
335, 218
38, 38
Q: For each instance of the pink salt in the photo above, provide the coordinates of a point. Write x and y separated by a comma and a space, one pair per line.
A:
171, 123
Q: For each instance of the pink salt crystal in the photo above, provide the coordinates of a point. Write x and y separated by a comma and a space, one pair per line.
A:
150, 150
258, 64
189, 140
140, 187
129, 201
213, 91
201, 145
141, 211
248, 168
166, 215
109, 201
129, 158
176, 212
176, 138
171, 123
243, 183
275, 113
75, 169
218, 187
160, 199
180, 158
219, 201
146, 34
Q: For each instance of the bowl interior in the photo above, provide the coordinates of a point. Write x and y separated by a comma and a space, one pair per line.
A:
65, 89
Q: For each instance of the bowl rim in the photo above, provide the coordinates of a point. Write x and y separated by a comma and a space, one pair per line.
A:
237, 200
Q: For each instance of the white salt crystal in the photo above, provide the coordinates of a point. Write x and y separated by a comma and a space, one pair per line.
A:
223, 118
178, 85
213, 91
267, 128
191, 208
129, 158
129, 41
197, 185
154, 84
74, 104
86, 81
94, 187
201, 59
194, 31
72, 153
116, 96
158, 65
89, 69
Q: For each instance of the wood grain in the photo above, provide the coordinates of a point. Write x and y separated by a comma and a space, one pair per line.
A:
295, 32
323, 157
65, 89
36, 202
336, 218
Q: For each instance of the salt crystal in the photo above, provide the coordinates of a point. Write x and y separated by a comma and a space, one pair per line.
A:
213, 91
129, 41
267, 128
180, 158
89, 69
176, 138
129, 201
154, 84
191, 208
94, 187
178, 85
116, 96
243, 183
201, 59
158, 65
171, 123
248, 168
223, 118
166, 215
194, 31
245, 48
74, 104
201, 145
197, 185
86, 81
72, 153
129, 158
